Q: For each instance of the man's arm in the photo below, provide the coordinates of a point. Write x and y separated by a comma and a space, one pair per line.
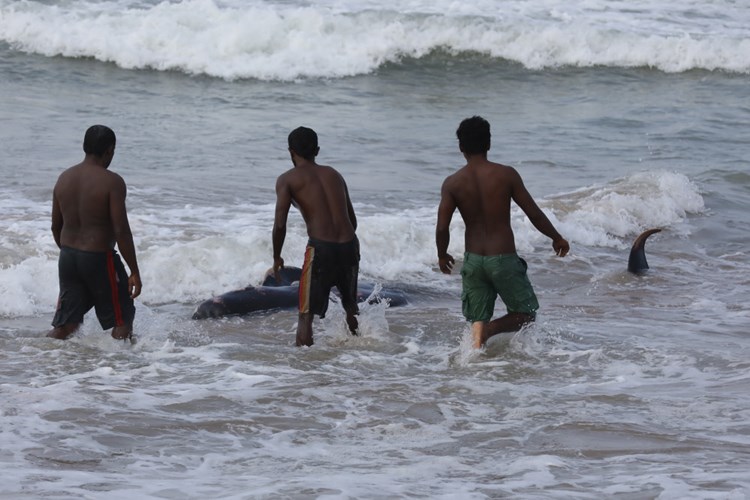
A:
57, 219
278, 234
442, 230
123, 236
523, 199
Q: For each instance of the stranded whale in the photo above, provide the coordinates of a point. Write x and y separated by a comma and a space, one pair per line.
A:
637, 261
279, 294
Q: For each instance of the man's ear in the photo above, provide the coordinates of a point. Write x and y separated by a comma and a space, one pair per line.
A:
109, 154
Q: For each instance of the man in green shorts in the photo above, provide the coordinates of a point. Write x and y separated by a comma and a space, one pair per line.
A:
482, 191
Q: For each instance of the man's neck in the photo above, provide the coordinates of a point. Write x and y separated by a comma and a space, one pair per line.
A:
95, 161
305, 163
476, 158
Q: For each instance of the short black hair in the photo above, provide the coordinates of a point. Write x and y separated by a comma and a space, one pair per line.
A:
98, 140
474, 135
304, 142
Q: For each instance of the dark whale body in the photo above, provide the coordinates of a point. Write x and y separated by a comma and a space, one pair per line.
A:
637, 260
281, 294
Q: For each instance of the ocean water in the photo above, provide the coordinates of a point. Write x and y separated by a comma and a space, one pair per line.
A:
620, 116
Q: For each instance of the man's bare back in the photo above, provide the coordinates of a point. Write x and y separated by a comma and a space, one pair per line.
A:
82, 195
482, 191
322, 197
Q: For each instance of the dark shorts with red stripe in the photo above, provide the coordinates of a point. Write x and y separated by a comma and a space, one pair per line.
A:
327, 265
93, 279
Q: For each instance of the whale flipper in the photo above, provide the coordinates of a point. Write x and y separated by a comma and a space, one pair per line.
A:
637, 261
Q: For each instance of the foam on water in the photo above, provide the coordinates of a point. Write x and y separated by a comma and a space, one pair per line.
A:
286, 41
192, 253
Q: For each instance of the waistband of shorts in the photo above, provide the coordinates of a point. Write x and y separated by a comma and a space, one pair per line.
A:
86, 252
312, 242
501, 256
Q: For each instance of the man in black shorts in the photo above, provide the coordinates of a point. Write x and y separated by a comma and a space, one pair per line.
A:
332, 254
88, 219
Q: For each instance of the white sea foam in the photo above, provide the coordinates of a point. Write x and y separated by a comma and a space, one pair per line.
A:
286, 41
192, 253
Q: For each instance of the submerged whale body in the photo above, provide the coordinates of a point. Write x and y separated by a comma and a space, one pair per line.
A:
278, 294
637, 260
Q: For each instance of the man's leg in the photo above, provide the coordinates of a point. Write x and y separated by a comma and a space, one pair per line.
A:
511, 322
512, 284
304, 329
64, 331
478, 333
347, 285
351, 318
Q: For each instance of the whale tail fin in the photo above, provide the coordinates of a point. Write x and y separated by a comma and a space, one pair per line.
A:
637, 261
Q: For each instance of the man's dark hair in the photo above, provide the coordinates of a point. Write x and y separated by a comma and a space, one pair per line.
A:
304, 142
474, 135
98, 140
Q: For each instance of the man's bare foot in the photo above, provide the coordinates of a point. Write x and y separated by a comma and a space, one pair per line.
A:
353, 324
62, 332
123, 333
304, 341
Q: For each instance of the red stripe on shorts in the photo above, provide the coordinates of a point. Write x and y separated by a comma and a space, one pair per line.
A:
112, 272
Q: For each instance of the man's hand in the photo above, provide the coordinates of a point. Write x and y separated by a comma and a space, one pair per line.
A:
561, 247
278, 263
446, 263
134, 285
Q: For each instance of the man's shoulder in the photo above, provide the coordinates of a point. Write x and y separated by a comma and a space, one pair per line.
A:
457, 175
494, 170
70, 171
500, 167
285, 176
114, 179
72, 174
326, 170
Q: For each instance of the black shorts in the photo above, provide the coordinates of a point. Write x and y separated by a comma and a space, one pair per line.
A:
327, 265
93, 279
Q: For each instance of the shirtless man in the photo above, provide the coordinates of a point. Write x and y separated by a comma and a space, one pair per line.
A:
482, 191
332, 254
88, 219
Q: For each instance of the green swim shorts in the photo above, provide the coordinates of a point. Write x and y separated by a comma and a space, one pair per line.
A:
486, 277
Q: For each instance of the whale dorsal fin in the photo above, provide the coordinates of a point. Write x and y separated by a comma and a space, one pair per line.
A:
637, 261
